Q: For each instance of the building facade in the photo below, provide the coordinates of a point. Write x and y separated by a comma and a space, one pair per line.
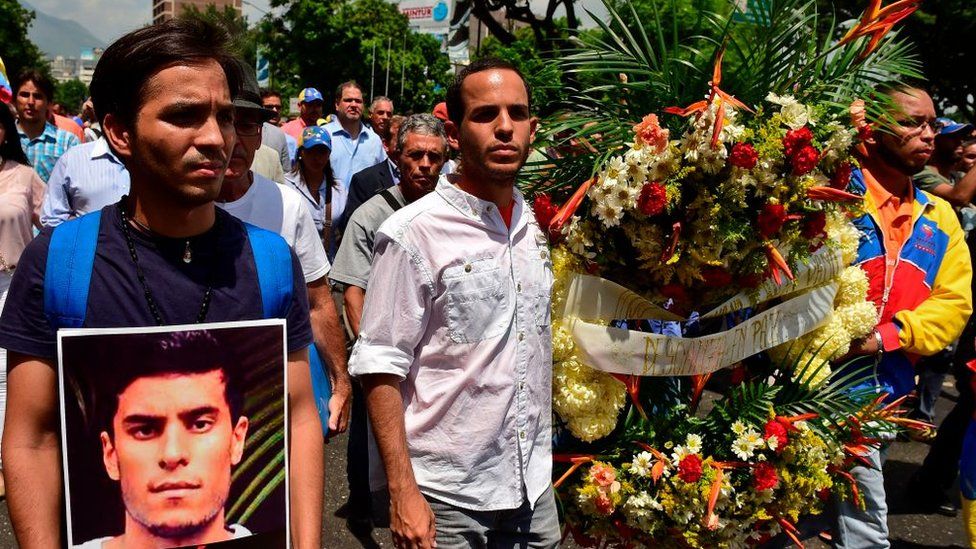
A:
167, 9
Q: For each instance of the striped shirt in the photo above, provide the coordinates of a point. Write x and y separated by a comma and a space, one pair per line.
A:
86, 179
44, 150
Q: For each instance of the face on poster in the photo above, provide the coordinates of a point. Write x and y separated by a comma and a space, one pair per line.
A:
175, 436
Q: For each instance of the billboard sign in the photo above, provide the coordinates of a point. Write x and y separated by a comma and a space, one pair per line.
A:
428, 16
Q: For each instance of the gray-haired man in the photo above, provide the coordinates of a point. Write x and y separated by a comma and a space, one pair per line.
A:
421, 149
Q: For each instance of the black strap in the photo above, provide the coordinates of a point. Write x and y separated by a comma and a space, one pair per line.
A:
390, 199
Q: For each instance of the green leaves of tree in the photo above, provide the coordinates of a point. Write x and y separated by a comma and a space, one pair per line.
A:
323, 43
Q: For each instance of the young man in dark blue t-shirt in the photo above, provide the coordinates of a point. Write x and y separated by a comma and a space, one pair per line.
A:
165, 255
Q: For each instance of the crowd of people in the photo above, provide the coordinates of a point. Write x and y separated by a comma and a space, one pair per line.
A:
441, 371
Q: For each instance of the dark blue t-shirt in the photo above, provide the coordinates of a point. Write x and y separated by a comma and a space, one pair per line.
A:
116, 299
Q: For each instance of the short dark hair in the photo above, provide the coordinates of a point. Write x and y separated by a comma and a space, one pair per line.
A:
269, 92
39, 79
118, 86
10, 148
167, 353
344, 85
455, 105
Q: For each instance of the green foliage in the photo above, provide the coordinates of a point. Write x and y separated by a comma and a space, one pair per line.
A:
636, 66
243, 38
71, 94
942, 32
16, 49
323, 43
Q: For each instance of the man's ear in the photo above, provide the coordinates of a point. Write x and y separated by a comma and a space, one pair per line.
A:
237, 440
109, 457
118, 136
453, 134
533, 127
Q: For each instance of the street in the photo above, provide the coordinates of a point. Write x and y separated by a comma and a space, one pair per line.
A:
909, 528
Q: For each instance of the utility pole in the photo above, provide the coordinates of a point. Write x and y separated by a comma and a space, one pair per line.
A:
403, 65
389, 55
372, 73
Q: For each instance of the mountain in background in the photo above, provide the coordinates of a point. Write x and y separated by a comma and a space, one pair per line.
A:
55, 36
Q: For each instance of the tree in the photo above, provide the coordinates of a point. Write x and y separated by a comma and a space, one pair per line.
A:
71, 94
244, 39
17, 50
545, 28
322, 43
942, 31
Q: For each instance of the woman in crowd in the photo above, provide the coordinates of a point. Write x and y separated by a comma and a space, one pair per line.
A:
21, 195
312, 176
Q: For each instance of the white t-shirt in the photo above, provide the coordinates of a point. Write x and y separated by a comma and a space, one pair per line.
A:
236, 532
282, 210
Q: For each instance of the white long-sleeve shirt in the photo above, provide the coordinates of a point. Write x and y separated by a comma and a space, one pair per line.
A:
458, 307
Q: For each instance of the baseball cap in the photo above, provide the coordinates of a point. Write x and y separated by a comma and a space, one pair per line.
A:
440, 111
950, 126
310, 94
315, 135
249, 96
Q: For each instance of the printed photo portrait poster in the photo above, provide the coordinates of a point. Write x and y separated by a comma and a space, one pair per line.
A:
175, 436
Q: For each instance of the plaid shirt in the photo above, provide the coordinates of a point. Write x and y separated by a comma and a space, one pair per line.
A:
44, 150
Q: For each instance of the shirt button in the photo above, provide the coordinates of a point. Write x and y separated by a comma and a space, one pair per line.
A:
518, 287
521, 336
522, 435
542, 254
467, 268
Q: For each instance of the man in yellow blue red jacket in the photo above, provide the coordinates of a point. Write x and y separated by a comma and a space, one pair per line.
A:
914, 253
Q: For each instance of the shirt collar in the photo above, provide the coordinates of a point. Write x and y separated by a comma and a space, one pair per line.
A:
394, 169
335, 127
101, 149
478, 209
50, 133
879, 194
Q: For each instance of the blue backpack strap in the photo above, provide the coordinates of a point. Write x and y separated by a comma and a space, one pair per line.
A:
67, 275
272, 258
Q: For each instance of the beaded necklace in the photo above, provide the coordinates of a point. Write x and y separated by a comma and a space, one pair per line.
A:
150, 299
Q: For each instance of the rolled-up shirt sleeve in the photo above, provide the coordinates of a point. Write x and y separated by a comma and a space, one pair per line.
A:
396, 311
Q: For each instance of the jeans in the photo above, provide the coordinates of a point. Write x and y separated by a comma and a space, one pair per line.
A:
856, 528
523, 528
932, 372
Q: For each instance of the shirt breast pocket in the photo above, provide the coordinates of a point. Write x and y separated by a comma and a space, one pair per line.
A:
542, 286
478, 301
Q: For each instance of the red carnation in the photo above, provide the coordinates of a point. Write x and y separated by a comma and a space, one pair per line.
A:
776, 429
690, 468
653, 197
716, 277
743, 156
544, 210
805, 160
814, 225
842, 176
796, 140
771, 219
764, 476
865, 132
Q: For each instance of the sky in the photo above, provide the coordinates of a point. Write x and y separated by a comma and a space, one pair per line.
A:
110, 19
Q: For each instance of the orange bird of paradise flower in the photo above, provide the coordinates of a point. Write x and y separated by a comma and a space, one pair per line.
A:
876, 22
699, 107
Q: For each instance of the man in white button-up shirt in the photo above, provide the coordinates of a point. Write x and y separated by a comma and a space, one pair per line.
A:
455, 347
